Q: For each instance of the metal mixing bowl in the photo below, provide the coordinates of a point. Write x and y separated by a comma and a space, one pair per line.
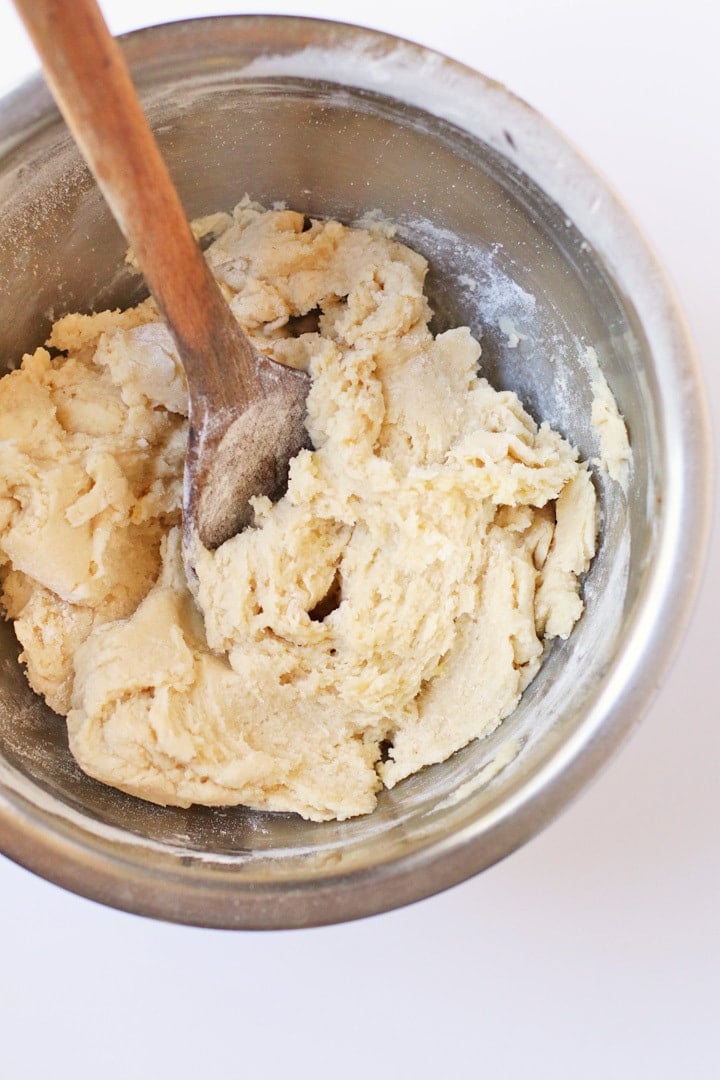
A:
339, 121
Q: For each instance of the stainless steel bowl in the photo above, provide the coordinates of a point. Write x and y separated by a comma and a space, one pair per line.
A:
336, 120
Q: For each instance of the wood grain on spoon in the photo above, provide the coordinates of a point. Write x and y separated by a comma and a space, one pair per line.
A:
246, 411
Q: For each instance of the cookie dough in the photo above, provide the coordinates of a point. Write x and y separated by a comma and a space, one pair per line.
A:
615, 456
391, 607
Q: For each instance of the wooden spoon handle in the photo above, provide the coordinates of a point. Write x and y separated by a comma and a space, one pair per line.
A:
92, 86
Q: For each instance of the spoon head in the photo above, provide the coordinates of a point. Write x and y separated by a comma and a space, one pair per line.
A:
236, 453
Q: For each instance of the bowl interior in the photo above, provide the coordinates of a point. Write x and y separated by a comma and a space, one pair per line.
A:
499, 250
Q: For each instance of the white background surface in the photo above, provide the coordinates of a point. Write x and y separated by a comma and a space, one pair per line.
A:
595, 951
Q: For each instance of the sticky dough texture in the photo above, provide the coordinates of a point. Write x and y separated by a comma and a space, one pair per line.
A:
397, 598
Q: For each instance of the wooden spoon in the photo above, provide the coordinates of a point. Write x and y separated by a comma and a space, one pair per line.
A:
246, 411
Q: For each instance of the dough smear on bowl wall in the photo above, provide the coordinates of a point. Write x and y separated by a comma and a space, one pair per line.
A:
390, 608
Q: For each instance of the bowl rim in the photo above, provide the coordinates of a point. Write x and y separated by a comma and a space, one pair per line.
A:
113, 870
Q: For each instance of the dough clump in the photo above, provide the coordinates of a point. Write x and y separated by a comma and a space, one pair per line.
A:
391, 607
